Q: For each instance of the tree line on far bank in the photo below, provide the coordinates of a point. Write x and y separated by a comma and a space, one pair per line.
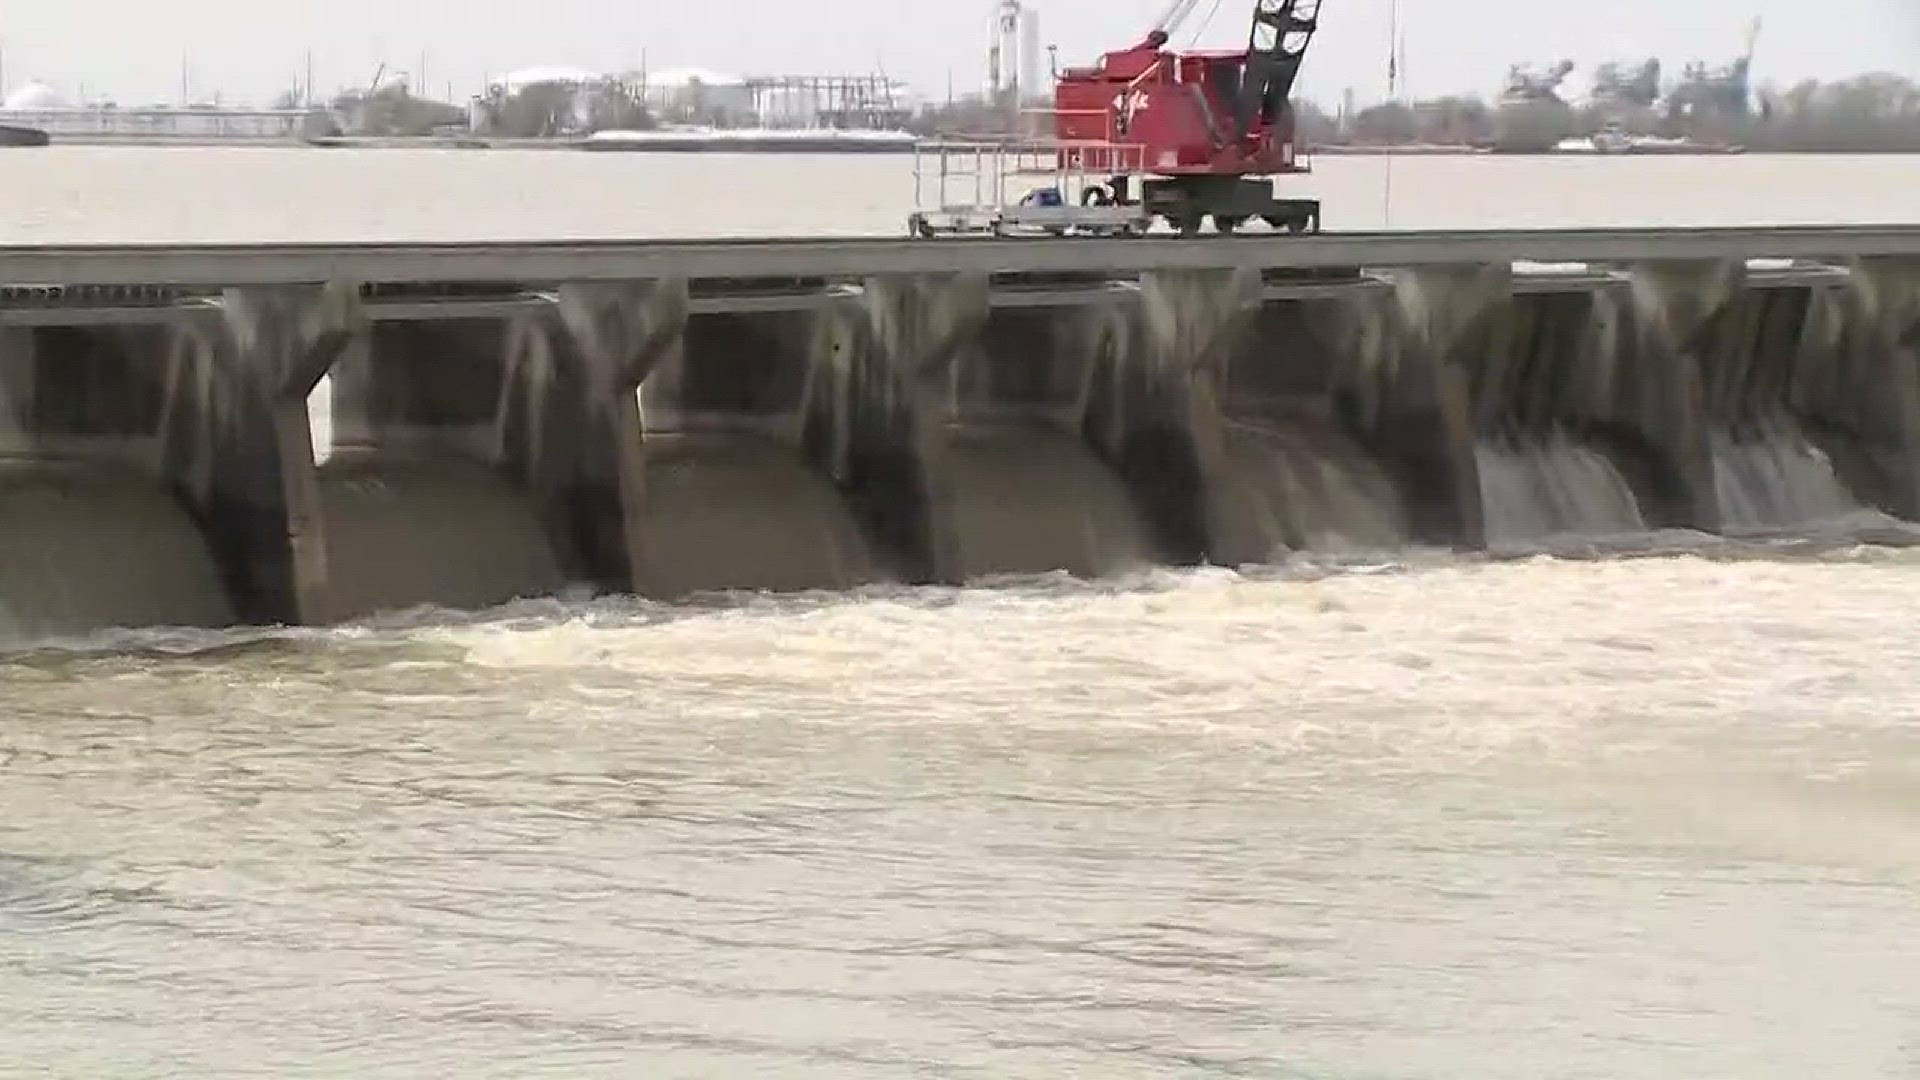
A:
1875, 113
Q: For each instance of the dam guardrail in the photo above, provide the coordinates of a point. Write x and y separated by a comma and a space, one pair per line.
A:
310, 433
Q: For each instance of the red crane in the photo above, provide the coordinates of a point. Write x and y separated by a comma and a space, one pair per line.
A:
1210, 128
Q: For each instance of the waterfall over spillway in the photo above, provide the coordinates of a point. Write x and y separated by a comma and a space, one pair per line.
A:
1030, 500
84, 547
443, 532
1533, 492
792, 417
1319, 493
735, 511
1771, 477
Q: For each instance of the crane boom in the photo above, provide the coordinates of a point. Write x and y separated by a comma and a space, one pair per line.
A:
1282, 30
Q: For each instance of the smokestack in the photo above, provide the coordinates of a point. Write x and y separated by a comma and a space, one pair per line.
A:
996, 49
1004, 64
1030, 81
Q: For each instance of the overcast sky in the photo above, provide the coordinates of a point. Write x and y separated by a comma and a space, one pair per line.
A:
132, 50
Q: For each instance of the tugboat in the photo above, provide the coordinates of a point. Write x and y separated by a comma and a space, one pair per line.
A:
1615, 138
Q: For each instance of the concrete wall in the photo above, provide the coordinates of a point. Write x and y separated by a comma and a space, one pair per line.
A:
643, 438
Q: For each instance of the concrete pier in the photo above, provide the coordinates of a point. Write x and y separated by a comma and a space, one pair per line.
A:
669, 419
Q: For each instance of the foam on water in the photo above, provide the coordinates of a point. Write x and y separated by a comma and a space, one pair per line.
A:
1292, 821
1360, 821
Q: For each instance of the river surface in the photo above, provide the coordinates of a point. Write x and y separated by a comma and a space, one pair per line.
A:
1406, 816
87, 194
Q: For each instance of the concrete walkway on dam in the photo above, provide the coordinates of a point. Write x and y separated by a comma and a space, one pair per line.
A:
666, 418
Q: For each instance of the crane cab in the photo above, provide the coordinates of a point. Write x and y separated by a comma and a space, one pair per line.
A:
1211, 127
1180, 108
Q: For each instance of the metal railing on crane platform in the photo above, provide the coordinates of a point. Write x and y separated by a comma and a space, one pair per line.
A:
974, 175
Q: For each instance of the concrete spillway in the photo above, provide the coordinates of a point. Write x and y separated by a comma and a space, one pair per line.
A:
85, 546
513, 424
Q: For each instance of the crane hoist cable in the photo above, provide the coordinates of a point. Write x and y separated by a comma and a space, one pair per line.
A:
1175, 15
1204, 24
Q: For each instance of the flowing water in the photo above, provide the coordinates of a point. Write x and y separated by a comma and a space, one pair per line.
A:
387, 528
1645, 818
143, 558
1400, 816
1773, 478
1322, 494
1038, 500
747, 512
1555, 489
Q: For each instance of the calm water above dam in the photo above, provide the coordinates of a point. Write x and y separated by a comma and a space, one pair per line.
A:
1393, 814
105, 194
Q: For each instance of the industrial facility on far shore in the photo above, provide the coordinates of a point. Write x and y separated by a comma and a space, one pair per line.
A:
540, 102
